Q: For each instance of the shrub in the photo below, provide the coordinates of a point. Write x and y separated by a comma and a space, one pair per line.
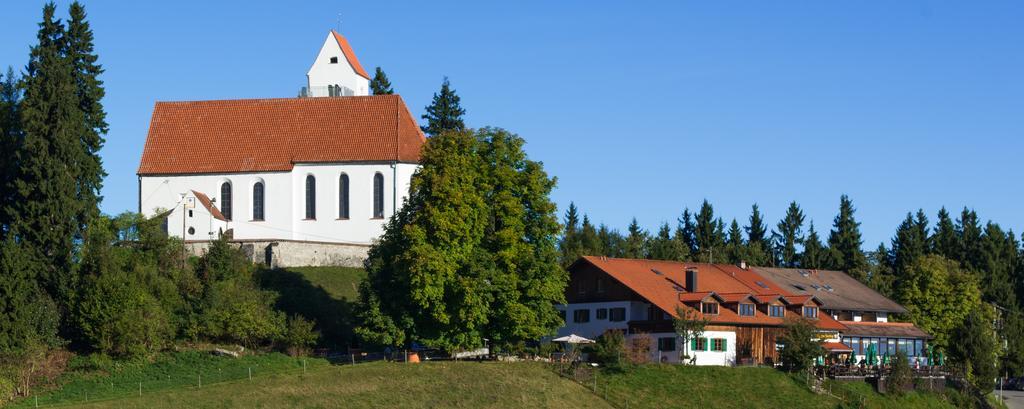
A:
799, 346
236, 311
639, 349
900, 376
118, 316
609, 349
300, 335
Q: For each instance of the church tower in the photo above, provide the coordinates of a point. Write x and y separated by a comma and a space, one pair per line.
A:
336, 72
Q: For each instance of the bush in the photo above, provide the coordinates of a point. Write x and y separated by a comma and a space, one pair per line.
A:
639, 349
118, 316
236, 311
900, 376
609, 349
300, 335
799, 346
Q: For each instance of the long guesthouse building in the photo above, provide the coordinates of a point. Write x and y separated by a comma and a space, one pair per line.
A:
746, 310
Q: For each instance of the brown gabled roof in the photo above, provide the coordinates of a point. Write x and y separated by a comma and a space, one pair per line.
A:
208, 204
884, 329
350, 55
657, 282
264, 135
846, 292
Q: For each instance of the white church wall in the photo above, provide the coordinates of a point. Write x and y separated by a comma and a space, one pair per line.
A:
324, 73
284, 201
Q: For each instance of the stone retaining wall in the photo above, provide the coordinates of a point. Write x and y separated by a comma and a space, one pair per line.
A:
285, 253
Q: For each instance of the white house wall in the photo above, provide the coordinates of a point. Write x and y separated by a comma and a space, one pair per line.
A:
323, 73
284, 201
708, 358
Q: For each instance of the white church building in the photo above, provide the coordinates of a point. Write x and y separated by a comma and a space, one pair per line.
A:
295, 181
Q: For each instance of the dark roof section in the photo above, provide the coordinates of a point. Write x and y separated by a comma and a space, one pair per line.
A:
835, 289
884, 329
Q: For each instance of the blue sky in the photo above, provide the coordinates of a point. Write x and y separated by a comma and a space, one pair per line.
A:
639, 108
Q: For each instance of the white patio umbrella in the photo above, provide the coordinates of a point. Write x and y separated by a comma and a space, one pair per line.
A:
573, 339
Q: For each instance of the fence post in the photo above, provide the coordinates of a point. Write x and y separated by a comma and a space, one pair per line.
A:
250, 373
353, 356
140, 388
200, 380
37, 401
303, 366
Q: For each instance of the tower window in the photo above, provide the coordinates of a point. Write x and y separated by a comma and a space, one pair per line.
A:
334, 60
343, 197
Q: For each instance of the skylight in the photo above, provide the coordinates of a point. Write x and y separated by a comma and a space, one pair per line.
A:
762, 284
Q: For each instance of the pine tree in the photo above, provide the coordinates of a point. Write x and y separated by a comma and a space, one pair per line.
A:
89, 89
944, 240
789, 235
845, 253
665, 247
10, 142
815, 255
735, 248
758, 251
968, 232
612, 243
881, 278
570, 246
47, 206
999, 252
590, 244
685, 233
444, 113
709, 234
636, 241
380, 85
909, 244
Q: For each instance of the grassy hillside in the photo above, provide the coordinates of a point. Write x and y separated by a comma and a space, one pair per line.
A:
449, 384
326, 295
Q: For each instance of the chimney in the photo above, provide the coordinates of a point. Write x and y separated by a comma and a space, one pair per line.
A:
691, 279
743, 264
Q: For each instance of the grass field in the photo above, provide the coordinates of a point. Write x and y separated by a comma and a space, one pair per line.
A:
326, 295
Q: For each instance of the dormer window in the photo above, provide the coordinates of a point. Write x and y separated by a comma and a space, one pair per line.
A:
811, 312
334, 60
776, 311
746, 310
710, 308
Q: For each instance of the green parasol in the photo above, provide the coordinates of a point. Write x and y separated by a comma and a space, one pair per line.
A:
853, 359
872, 355
942, 359
931, 355
885, 358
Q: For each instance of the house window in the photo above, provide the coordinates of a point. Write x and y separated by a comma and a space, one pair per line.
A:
617, 314
310, 197
581, 316
667, 344
811, 312
257, 201
747, 310
709, 308
600, 286
718, 344
378, 196
343, 197
776, 311
602, 313
334, 60
582, 288
225, 200
699, 344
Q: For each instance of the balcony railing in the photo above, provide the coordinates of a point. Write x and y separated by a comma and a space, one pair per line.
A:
326, 91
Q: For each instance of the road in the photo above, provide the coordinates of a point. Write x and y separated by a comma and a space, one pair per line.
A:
1013, 399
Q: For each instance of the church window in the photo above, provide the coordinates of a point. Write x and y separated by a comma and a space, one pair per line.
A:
378, 196
225, 200
343, 197
257, 201
334, 60
310, 197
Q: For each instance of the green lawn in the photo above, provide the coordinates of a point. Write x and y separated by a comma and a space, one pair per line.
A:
326, 295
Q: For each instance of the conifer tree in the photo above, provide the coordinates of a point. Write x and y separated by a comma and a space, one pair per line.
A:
570, 244
10, 141
380, 85
944, 240
590, 244
909, 244
845, 253
665, 247
815, 255
47, 205
789, 235
89, 89
685, 233
758, 245
709, 234
881, 278
968, 231
999, 261
444, 113
735, 248
612, 243
636, 241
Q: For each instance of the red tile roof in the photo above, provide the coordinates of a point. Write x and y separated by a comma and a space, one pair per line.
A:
836, 347
350, 55
205, 201
262, 135
657, 280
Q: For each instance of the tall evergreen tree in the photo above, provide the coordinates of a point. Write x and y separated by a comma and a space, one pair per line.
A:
570, 246
881, 278
89, 89
685, 233
909, 244
844, 241
815, 255
590, 243
998, 264
47, 206
612, 243
758, 245
444, 113
10, 142
789, 235
968, 231
709, 234
735, 249
665, 247
636, 241
944, 240
380, 85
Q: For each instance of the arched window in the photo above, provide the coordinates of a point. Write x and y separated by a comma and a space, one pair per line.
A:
225, 200
310, 197
343, 197
257, 201
378, 196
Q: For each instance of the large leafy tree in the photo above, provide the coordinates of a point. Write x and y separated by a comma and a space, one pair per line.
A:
938, 296
709, 234
444, 113
788, 235
380, 85
758, 251
799, 345
844, 242
472, 255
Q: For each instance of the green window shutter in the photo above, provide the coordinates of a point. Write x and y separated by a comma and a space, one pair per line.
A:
693, 344
707, 344
725, 344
